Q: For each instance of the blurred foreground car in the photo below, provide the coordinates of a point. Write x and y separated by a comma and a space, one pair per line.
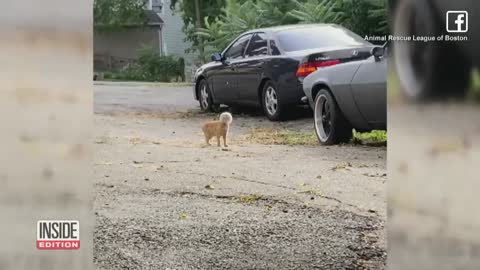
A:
435, 69
347, 96
264, 67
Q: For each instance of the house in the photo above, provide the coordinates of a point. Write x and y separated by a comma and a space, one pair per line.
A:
163, 32
113, 49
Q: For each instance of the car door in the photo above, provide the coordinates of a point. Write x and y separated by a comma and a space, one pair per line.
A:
249, 70
225, 77
369, 88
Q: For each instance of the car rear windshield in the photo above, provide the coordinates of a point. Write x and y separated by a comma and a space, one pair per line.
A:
318, 37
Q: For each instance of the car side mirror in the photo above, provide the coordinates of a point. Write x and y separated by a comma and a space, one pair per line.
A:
377, 52
216, 57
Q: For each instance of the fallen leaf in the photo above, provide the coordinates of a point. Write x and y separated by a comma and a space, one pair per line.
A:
343, 165
101, 140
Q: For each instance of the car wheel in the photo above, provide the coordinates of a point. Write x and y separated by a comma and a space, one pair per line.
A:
271, 103
205, 98
331, 126
427, 70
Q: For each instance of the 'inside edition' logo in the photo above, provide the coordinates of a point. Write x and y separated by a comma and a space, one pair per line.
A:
58, 234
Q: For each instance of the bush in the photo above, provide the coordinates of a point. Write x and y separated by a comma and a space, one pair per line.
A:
152, 67
364, 17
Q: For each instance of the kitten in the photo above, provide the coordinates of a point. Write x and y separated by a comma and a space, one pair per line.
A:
218, 128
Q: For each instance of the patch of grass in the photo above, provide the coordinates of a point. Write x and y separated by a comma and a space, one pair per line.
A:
138, 140
115, 76
249, 199
271, 136
197, 112
370, 137
281, 137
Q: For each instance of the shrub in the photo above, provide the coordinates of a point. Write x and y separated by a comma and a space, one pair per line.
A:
151, 66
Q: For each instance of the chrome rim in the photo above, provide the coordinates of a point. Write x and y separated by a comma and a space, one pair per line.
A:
271, 101
204, 96
323, 117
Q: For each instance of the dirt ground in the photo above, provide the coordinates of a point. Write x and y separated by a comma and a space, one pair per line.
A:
165, 201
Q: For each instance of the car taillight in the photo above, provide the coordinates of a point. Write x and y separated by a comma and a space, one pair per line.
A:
307, 68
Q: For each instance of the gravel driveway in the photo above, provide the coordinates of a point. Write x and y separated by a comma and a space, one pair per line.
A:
165, 201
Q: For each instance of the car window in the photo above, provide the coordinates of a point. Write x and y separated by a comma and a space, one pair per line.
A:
316, 37
257, 45
273, 48
236, 50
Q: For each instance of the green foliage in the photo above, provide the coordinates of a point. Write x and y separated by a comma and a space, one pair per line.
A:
240, 16
208, 8
317, 11
235, 19
114, 14
275, 12
369, 137
223, 20
153, 67
365, 17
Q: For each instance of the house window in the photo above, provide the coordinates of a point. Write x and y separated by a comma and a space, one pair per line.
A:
158, 6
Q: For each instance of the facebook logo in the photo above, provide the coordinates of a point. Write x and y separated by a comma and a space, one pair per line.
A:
457, 21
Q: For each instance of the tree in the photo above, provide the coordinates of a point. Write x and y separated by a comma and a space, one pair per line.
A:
194, 18
317, 11
240, 16
365, 17
114, 14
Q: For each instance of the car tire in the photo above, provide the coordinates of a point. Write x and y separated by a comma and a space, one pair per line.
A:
427, 70
205, 98
271, 104
330, 125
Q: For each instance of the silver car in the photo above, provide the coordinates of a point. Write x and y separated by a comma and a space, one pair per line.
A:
349, 96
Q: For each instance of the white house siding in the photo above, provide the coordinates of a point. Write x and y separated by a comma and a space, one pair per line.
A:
173, 37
